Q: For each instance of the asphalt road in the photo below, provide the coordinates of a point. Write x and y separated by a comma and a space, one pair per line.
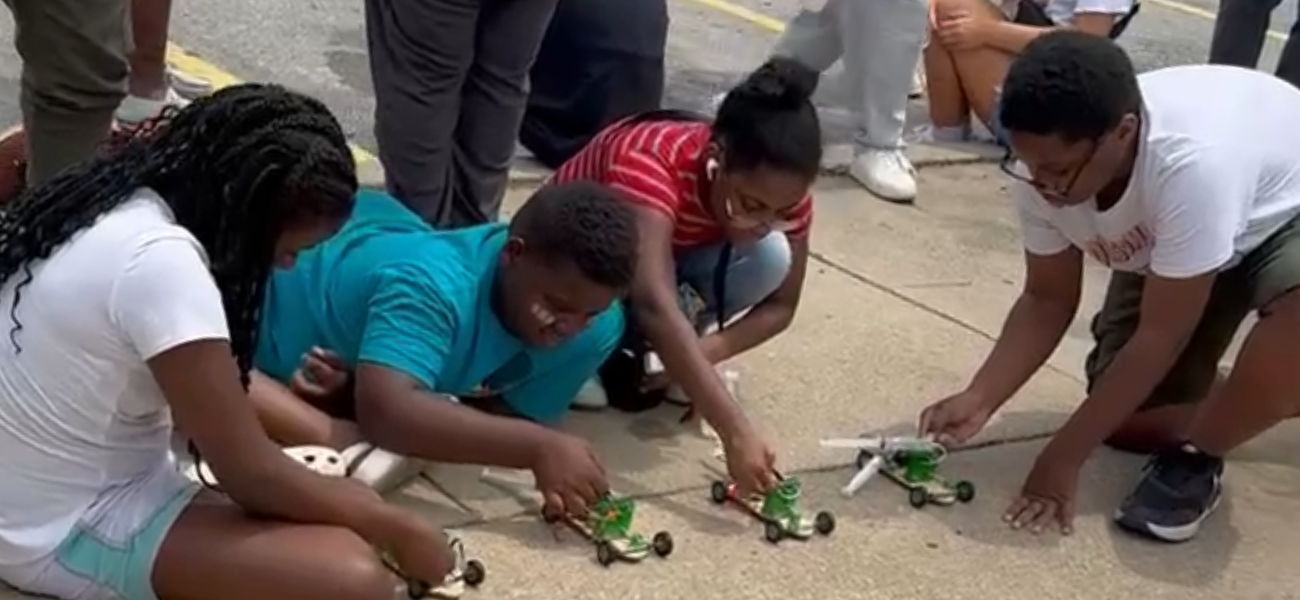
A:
318, 46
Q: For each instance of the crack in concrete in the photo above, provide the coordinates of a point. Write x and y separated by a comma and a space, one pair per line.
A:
481, 521
950, 318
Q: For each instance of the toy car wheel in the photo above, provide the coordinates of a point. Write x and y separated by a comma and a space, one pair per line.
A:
863, 458
965, 491
415, 590
605, 554
824, 523
662, 544
475, 573
773, 532
718, 492
918, 497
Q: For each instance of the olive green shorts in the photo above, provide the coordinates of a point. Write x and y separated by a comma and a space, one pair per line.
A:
1263, 275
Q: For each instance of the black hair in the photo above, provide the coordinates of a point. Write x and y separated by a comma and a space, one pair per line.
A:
236, 168
1069, 84
585, 223
769, 120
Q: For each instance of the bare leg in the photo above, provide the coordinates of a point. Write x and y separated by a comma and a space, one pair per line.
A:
216, 552
948, 106
150, 20
1154, 430
979, 71
1263, 388
293, 421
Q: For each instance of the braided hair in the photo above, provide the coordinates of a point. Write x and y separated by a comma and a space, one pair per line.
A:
237, 169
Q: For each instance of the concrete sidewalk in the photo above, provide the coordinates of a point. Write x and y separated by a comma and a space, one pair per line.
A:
900, 305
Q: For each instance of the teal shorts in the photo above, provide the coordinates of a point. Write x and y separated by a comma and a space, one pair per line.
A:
110, 553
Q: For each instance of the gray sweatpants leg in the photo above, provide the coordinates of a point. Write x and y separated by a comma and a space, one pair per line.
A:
451, 84
880, 42
1239, 31
74, 76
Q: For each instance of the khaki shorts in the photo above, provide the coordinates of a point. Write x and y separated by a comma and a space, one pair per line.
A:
1263, 275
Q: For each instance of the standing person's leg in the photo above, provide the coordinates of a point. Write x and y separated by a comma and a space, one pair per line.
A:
495, 95
1288, 65
1181, 486
74, 76
1239, 31
882, 40
152, 87
812, 37
420, 53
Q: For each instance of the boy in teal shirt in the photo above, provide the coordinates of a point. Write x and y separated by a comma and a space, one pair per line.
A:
522, 314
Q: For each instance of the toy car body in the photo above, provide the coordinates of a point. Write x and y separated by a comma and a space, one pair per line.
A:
608, 525
916, 469
778, 509
909, 461
466, 573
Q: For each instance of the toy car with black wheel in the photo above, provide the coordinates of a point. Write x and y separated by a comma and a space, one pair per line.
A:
778, 510
608, 525
911, 462
465, 573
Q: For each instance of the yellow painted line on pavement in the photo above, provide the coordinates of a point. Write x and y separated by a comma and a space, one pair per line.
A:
194, 65
777, 26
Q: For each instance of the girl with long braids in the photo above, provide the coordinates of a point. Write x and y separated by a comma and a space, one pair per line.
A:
131, 286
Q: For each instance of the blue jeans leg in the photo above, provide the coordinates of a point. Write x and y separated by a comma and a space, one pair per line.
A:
755, 272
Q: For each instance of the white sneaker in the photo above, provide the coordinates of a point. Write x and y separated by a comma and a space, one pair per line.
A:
135, 109
885, 173
592, 396
188, 86
317, 458
379, 469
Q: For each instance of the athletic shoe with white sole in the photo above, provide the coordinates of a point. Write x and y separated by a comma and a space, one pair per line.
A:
1179, 490
135, 110
381, 470
317, 458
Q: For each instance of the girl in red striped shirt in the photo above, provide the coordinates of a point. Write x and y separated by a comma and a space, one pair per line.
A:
724, 222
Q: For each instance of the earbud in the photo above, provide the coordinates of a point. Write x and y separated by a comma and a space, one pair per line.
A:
711, 169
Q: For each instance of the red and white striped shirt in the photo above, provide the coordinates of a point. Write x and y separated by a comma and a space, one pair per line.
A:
656, 164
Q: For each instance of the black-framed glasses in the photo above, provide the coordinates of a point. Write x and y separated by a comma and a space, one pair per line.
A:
1008, 167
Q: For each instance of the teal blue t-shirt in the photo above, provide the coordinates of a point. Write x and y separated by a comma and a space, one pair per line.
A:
390, 290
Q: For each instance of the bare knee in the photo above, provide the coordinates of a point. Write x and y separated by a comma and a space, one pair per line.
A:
361, 576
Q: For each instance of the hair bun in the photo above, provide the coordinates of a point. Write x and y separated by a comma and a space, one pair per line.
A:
780, 83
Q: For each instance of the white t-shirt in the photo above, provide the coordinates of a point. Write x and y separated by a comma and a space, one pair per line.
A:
1217, 172
1062, 12
79, 410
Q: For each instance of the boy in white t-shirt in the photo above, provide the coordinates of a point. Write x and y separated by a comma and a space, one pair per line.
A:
972, 43
1186, 182
130, 287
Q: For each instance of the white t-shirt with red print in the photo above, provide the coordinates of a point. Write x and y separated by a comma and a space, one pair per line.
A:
1217, 173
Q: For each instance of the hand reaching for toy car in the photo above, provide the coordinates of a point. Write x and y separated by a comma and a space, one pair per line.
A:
568, 475
419, 548
955, 419
751, 463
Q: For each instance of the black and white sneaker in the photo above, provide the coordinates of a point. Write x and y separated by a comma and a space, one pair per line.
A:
1178, 491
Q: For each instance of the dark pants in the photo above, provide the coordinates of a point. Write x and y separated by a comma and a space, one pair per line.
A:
451, 82
1263, 275
1239, 32
600, 61
74, 76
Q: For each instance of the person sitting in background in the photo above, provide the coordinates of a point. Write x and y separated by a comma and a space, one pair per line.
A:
724, 213
599, 62
511, 318
972, 43
880, 43
132, 283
